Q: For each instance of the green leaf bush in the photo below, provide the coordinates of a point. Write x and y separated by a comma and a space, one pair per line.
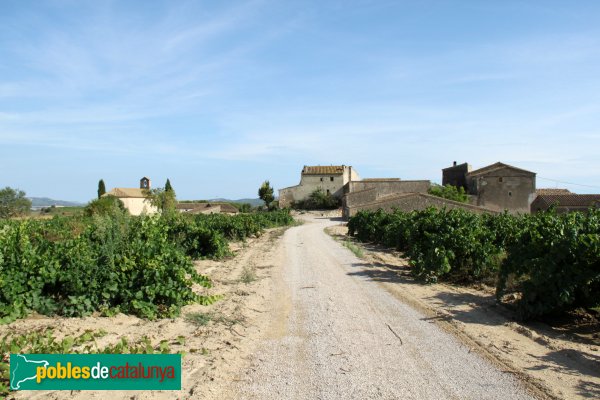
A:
551, 261
114, 263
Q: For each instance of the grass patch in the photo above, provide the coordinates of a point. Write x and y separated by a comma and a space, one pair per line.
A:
353, 248
200, 319
248, 275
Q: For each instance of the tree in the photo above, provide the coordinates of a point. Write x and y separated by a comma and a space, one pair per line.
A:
101, 188
168, 187
245, 207
318, 200
107, 205
450, 192
163, 199
13, 203
265, 193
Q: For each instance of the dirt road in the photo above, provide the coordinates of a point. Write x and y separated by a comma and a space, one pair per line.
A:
337, 334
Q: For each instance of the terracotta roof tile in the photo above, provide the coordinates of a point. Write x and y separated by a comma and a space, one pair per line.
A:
126, 192
569, 200
495, 167
552, 191
323, 170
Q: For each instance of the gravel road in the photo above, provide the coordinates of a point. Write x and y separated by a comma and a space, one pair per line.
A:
342, 336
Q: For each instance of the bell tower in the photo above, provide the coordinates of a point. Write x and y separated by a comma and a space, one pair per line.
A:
145, 183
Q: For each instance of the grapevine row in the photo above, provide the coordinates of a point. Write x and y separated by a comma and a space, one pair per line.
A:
550, 261
114, 263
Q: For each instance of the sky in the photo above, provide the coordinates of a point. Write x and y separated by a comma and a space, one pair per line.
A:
219, 96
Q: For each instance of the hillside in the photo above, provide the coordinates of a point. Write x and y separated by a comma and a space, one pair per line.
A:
47, 202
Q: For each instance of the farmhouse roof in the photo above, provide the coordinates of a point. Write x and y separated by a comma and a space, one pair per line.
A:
494, 167
552, 191
569, 200
127, 192
323, 170
187, 206
226, 207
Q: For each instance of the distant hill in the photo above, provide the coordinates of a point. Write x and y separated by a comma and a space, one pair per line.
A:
47, 202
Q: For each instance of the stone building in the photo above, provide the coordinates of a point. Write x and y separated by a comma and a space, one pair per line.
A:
332, 179
136, 200
456, 175
498, 186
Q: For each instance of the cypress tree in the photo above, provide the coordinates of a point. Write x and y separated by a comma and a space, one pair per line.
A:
101, 188
168, 187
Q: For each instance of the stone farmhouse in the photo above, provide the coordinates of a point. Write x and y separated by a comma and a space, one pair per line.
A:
333, 179
497, 187
136, 200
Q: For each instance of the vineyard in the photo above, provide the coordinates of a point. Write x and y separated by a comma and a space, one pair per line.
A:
115, 263
549, 262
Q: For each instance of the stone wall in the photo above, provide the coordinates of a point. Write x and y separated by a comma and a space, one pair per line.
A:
354, 199
412, 201
391, 186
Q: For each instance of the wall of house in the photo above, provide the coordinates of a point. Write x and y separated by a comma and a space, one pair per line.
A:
310, 183
504, 189
388, 187
138, 205
332, 183
411, 202
351, 176
366, 196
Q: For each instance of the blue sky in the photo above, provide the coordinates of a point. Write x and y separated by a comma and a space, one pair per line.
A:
219, 95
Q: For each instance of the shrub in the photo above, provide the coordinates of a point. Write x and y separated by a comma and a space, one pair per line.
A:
449, 192
318, 200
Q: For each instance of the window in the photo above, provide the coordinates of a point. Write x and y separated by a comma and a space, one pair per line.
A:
328, 193
331, 178
321, 179
509, 194
500, 179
